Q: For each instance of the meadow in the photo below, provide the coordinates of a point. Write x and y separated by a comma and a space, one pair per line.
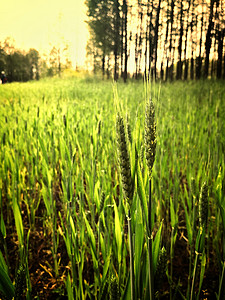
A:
68, 232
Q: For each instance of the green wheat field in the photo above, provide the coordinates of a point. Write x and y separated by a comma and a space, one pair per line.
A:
67, 229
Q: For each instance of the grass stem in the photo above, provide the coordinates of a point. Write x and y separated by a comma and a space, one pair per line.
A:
151, 275
131, 257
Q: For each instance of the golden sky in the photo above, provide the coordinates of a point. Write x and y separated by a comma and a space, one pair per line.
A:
44, 23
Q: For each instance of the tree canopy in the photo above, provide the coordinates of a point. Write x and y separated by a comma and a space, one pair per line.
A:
169, 39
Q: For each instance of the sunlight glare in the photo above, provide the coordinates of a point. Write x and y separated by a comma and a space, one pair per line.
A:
45, 23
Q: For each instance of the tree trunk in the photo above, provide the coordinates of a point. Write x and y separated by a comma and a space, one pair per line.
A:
116, 37
179, 64
125, 40
165, 52
224, 66
150, 42
199, 58
208, 41
103, 65
136, 56
108, 66
122, 42
162, 72
146, 51
220, 54
192, 41
156, 38
171, 40
186, 44
167, 69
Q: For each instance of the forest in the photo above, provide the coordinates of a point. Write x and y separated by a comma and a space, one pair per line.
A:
169, 39
20, 65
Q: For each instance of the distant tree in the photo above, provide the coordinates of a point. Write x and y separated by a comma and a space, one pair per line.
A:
136, 56
18, 64
2, 59
17, 67
193, 37
140, 39
200, 38
116, 35
125, 39
171, 46
94, 56
58, 59
188, 37
100, 22
165, 44
186, 61
219, 36
208, 39
150, 34
180, 43
156, 36
9, 45
33, 61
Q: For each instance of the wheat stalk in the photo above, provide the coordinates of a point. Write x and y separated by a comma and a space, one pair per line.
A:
124, 160
203, 205
150, 135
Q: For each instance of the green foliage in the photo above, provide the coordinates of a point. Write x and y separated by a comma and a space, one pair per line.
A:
60, 176
203, 205
6, 287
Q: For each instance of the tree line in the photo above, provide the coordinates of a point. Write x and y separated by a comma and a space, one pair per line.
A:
169, 39
20, 65
17, 64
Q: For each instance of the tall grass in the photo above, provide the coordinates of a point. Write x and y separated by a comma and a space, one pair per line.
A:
60, 177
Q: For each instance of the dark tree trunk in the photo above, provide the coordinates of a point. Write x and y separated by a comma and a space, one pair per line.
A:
208, 41
198, 67
186, 44
136, 56
115, 65
179, 64
162, 72
125, 40
186, 65
224, 66
212, 68
171, 39
146, 52
220, 54
103, 65
199, 58
156, 38
171, 72
193, 20
165, 48
108, 66
140, 39
116, 37
192, 67
150, 40
122, 46
167, 69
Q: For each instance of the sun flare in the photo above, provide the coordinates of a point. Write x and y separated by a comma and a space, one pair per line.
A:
43, 24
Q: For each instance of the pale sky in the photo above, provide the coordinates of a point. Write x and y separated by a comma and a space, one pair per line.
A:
44, 23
